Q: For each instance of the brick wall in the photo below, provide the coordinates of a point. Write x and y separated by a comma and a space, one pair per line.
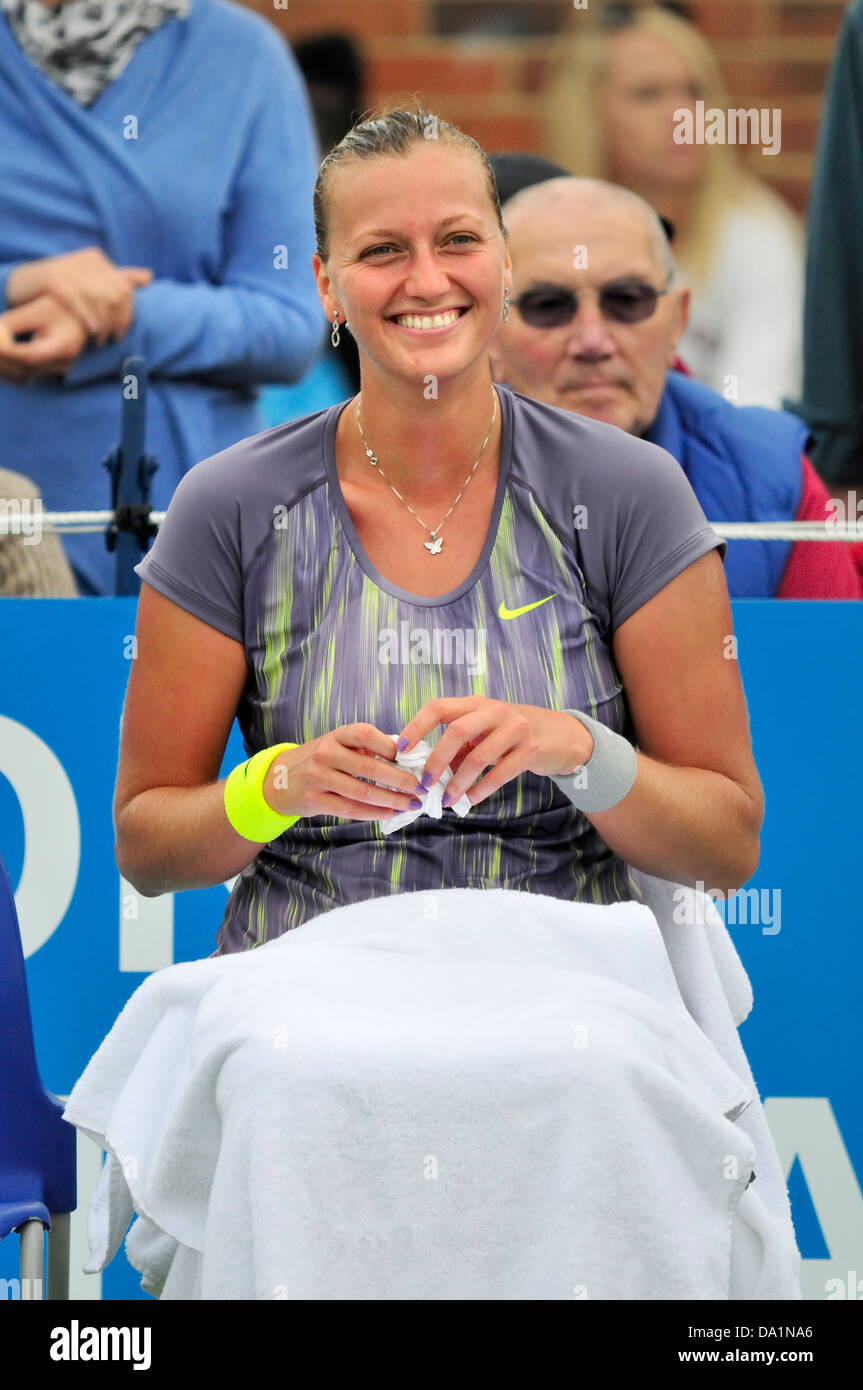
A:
772, 52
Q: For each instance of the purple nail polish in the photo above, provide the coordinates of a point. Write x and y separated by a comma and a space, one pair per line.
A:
402, 744
416, 804
426, 780
446, 799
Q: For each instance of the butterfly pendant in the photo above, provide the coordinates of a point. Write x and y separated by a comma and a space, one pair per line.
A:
433, 547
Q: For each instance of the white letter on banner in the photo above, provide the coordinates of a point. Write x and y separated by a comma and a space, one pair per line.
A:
805, 1128
52, 832
146, 930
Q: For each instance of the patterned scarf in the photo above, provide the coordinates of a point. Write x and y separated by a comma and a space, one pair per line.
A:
83, 45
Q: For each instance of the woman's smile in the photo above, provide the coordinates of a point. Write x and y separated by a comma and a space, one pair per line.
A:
438, 322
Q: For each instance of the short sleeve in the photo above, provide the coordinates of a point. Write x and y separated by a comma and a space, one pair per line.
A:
196, 559
661, 530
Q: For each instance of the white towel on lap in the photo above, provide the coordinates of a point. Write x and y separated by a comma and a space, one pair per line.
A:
457, 1095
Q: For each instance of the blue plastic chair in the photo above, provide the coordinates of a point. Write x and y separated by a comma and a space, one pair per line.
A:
37, 1146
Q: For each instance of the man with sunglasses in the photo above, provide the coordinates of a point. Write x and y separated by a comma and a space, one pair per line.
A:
597, 316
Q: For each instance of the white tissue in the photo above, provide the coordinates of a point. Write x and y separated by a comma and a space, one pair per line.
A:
414, 760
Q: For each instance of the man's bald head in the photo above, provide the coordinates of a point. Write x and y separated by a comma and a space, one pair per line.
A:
564, 198
596, 317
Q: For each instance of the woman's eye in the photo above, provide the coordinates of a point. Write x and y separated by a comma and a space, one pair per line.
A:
386, 248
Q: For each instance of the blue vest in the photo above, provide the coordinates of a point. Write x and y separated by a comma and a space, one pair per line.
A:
743, 464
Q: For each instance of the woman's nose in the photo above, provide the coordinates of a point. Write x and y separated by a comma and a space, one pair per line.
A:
426, 278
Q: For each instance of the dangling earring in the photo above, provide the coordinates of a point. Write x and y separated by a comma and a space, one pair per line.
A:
334, 336
505, 303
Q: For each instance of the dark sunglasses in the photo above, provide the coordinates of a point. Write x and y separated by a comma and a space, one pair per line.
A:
623, 301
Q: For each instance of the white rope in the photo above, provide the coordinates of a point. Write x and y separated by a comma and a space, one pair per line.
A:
789, 530
81, 523
58, 523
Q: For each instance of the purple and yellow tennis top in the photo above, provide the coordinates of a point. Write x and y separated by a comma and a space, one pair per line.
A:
588, 524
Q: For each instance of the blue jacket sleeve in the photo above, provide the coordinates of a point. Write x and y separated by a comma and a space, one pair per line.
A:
262, 322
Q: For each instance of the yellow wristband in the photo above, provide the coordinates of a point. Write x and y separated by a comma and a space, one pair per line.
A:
245, 805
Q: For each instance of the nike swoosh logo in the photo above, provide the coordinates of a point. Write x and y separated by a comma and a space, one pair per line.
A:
504, 612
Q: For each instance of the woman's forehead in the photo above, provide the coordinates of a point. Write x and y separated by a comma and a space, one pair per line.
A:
638, 55
430, 182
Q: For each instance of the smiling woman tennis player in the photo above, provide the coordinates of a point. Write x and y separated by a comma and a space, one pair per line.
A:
432, 499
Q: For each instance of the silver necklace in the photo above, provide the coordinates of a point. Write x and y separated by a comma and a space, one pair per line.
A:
434, 545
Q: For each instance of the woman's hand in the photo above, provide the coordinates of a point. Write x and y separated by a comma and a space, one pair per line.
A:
324, 777
55, 338
87, 284
508, 738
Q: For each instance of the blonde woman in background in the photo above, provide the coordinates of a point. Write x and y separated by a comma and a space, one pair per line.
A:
33, 563
610, 115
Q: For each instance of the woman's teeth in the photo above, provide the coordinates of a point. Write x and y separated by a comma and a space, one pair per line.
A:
428, 320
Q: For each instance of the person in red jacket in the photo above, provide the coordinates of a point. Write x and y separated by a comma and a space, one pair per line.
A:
569, 344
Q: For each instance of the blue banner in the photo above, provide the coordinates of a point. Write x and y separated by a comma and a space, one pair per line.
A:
90, 940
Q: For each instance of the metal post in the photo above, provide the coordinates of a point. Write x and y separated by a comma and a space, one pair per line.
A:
131, 470
32, 1260
58, 1256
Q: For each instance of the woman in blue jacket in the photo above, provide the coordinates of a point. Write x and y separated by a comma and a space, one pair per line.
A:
157, 165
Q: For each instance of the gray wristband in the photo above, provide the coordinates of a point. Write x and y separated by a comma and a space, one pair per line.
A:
608, 774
